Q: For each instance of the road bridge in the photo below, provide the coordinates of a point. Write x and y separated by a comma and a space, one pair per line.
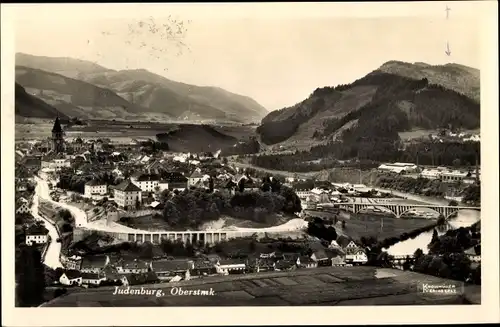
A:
399, 209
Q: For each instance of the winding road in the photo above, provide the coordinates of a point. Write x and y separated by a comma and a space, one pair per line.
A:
51, 259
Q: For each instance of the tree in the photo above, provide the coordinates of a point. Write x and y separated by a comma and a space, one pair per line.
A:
137, 204
418, 253
457, 162
343, 224
453, 203
211, 185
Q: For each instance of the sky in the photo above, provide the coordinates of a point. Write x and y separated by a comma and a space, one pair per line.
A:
274, 54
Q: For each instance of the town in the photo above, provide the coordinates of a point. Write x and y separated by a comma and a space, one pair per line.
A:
103, 214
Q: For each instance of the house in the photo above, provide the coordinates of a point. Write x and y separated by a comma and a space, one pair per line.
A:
356, 257
320, 257
147, 182
73, 262
94, 187
92, 279
261, 265
431, 173
71, 278
167, 269
175, 180
267, 254
202, 268
127, 195
22, 208
36, 234
21, 186
94, 264
148, 277
474, 253
195, 178
231, 266
453, 176
111, 274
286, 265
306, 262
336, 256
135, 266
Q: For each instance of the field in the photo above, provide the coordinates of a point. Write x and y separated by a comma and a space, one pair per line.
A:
380, 226
319, 286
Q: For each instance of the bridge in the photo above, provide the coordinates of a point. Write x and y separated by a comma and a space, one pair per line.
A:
399, 209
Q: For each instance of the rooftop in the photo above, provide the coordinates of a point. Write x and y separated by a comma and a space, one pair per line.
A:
127, 186
324, 286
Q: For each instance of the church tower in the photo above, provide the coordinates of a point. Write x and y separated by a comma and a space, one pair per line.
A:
57, 137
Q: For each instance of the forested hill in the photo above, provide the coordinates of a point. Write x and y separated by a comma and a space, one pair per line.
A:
378, 106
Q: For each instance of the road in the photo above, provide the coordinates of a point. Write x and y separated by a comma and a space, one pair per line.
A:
54, 249
44, 192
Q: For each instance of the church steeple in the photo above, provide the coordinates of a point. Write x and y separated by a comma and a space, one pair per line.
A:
57, 137
57, 126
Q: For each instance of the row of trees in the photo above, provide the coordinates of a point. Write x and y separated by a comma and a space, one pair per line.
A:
192, 208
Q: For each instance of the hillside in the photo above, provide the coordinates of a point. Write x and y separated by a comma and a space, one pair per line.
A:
196, 138
394, 98
68, 67
27, 105
162, 97
73, 97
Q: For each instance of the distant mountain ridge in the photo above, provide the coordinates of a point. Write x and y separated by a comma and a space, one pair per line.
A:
155, 95
396, 97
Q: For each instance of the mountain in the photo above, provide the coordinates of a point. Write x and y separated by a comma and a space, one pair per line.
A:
68, 67
157, 95
75, 98
27, 105
396, 97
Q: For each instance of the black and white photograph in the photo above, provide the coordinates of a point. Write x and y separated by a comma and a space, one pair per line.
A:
239, 155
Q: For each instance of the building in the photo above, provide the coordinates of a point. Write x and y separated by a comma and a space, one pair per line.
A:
195, 178
431, 173
71, 278
306, 262
55, 161
94, 264
94, 187
230, 266
453, 176
398, 167
127, 194
147, 182
36, 234
132, 267
22, 207
57, 145
167, 269
175, 180
73, 262
92, 279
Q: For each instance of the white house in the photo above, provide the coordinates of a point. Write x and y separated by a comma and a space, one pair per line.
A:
92, 279
453, 176
94, 187
195, 178
71, 278
36, 234
356, 256
127, 194
147, 182
226, 266
431, 173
